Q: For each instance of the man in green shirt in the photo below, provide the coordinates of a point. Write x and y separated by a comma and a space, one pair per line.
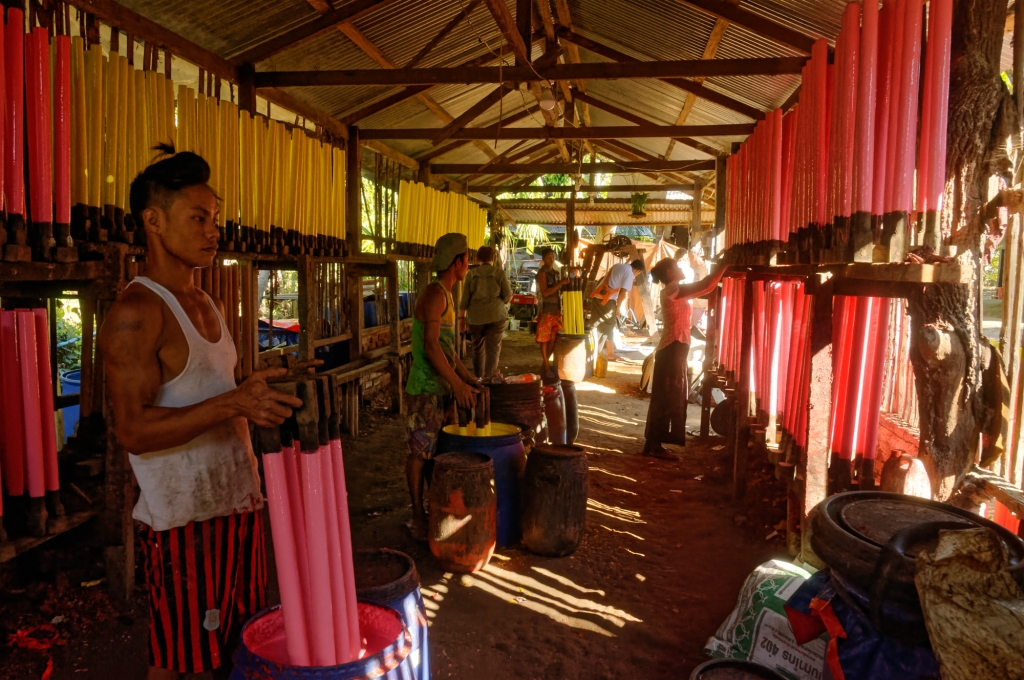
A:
437, 379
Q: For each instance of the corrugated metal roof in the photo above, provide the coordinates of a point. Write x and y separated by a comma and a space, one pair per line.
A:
226, 27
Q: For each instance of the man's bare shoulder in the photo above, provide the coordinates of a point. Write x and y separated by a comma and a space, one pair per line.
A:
431, 303
135, 318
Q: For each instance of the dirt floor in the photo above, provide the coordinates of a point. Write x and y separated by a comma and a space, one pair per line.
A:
665, 552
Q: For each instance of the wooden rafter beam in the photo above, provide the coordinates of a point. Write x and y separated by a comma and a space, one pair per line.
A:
323, 23
387, 151
710, 50
443, 33
686, 68
633, 118
372, 51
754, 23
442, 150
686, 85
609, 132
410, 92
573, 168
471, 114
507, 25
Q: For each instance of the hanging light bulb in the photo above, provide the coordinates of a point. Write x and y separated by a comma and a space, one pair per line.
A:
547, 97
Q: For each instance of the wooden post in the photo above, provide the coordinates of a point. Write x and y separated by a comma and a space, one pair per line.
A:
720, 199
524, 22
308, 307
247, 88
397, 392
695, 211
811, 484
353, 196
742, 410
710, 346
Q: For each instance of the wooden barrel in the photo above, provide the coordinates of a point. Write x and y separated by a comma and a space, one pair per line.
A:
520, 404
554, 491
504, 446
463, 511
572, 412
554, 411
571, 357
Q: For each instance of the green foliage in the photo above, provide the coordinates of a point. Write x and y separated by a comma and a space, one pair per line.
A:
69, 327
990, 272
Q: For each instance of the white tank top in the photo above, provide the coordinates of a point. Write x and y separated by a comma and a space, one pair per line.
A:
216, 473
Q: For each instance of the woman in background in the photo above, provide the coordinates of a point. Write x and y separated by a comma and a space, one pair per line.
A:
666, 416
485, 297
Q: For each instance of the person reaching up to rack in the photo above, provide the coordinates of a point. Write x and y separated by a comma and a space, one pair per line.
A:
608, 300
666, 416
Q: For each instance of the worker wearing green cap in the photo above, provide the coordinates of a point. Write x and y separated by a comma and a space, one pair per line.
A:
437, 379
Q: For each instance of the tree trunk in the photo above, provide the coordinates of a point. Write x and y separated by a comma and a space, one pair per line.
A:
944, 348
943, 355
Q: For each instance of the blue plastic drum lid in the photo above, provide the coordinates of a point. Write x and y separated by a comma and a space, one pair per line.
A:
505, 447
403, 595
263, 654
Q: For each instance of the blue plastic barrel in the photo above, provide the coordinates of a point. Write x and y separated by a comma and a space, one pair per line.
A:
505, 448
70, 383
369, 314
263, 654
389, 578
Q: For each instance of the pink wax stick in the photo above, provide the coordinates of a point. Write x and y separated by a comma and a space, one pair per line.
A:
339, 605
854, 413
883, 94
835, 107
14, 64
4, 134
320, 607
867, 82
40, 130
940, 14
880, 337
31, 418
286, 557
345, 535
819, 177
298, 518
45, 378
909, 84
778, 185
849, 83
898, 94
14, 433
62, 130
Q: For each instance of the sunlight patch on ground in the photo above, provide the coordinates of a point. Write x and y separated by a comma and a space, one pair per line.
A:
538, 592
616, 512
631, 493
611, 434
550, 612
606, 418
565, 581
593, 387
628, 533
631, 552
590, 447
611, 474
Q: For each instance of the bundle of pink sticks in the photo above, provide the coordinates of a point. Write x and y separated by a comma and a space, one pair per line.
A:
840, 170
309, 522
28, 443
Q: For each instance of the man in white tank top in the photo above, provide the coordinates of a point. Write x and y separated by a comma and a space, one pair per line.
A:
169, 363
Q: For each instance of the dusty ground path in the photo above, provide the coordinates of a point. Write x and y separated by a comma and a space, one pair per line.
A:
658, 570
